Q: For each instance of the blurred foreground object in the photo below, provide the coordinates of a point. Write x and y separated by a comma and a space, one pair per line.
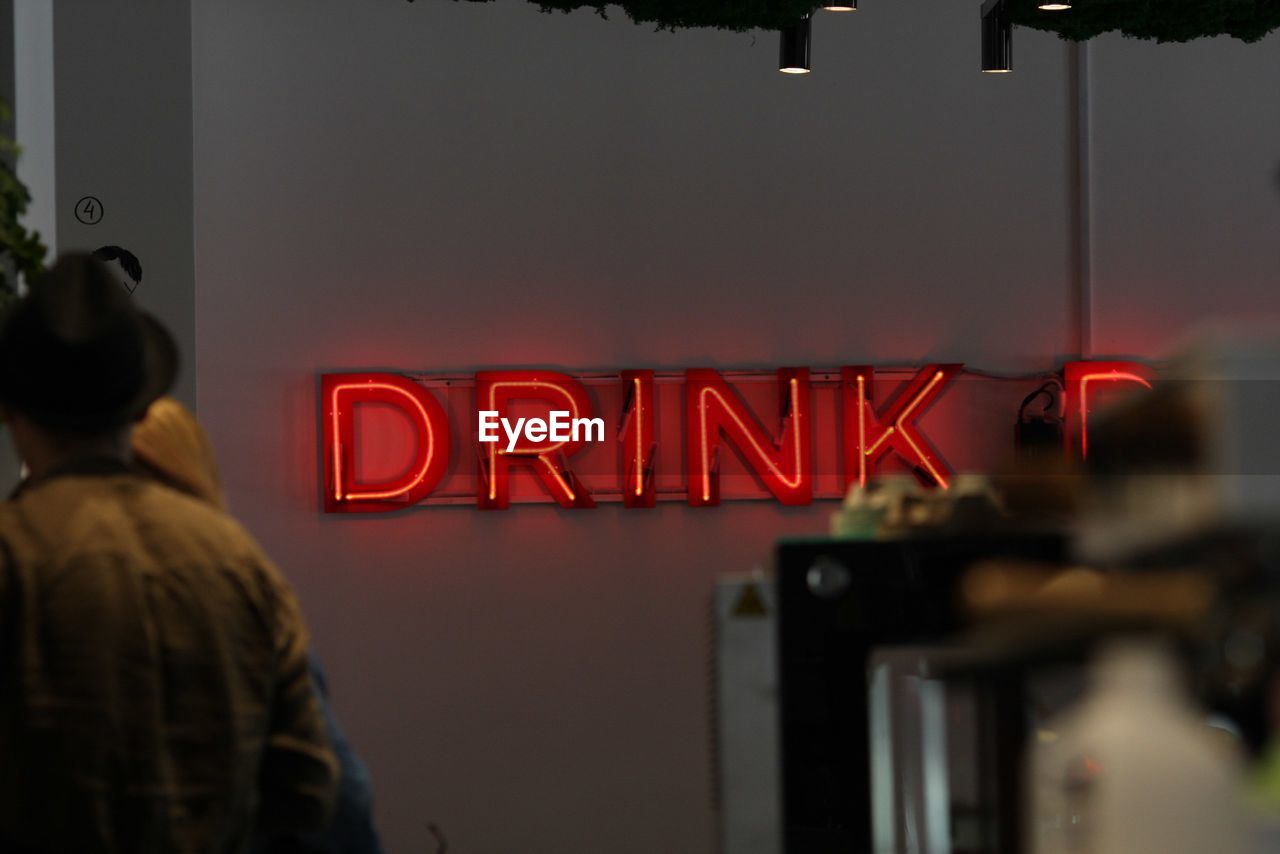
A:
898, 506
1194, 461
854, 616
1031, 593
1133, 768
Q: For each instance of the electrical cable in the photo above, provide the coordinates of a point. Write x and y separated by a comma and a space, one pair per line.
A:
1042, 390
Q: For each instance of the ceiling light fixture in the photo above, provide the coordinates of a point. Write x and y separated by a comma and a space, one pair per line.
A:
794, 56
997, 37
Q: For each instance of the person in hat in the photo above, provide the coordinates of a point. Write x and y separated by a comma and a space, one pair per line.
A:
154, 693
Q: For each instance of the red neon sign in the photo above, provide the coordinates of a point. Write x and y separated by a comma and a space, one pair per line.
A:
870, 435
495, 390
699, 436
1078, 378
343, 394
637, 440
713, 409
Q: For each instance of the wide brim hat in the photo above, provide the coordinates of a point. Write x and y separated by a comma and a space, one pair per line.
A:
76, 354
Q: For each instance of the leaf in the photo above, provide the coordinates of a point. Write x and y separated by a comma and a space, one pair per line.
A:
21, 249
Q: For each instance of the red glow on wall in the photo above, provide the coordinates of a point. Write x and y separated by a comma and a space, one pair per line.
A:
637, 440
714, 410
427, 460
1078, 378
870, 434
495, 390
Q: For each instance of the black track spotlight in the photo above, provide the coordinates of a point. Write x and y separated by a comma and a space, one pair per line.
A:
794, 57
841, 6
997, 37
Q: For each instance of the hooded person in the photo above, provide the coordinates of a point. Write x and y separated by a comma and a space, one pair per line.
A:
154, 691
170, 445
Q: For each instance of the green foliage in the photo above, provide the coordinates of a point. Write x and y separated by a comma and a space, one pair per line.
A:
737, 15
1161, 20
21, 250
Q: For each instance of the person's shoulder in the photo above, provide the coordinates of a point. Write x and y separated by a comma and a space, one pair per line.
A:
127, 511
177, 522
177, 506
160, 506
50, 512
136, 521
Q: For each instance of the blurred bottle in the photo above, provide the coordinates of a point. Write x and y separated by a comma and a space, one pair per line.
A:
1133, 768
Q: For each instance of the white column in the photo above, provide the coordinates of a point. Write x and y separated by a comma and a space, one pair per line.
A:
33, 113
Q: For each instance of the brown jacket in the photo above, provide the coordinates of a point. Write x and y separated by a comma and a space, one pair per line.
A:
154, 694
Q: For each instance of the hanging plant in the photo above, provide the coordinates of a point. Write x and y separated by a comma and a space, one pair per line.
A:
21, 250
1162, 20
737, 15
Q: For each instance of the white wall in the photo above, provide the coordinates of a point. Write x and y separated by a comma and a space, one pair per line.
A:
102, 99
122, 98
1186, 189
447, 186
